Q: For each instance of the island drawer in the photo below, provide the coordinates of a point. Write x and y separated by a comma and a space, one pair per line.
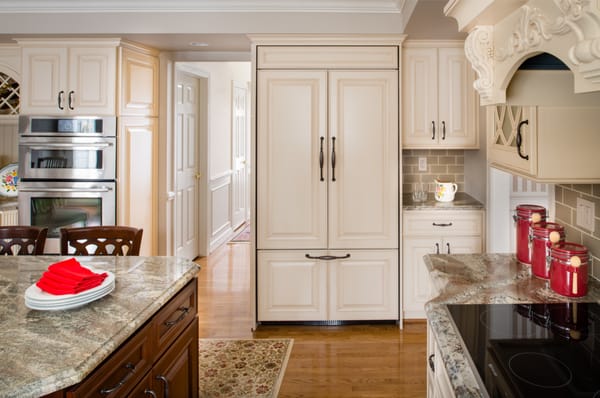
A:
440, 222
122, 371
173, 318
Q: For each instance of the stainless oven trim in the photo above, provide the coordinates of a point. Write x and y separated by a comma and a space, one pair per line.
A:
109, 124
106, 144
66, 189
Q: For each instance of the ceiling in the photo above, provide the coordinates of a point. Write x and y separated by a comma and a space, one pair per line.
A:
216, 26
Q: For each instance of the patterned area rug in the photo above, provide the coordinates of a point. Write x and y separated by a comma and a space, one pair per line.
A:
242, 368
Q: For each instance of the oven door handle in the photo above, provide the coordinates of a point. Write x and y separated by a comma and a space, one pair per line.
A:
99, 189
73, 145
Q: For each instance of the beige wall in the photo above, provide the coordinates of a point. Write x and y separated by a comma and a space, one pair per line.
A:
220, 78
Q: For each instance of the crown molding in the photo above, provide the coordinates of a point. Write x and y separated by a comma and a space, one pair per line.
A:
63, 6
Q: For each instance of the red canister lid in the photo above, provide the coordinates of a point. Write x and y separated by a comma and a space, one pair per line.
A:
527, 210
566, 250
544, 229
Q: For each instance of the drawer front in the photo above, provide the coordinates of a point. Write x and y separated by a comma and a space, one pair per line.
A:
172, 319
442, 223
120, 372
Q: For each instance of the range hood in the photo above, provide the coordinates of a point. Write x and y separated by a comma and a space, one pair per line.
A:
503, 33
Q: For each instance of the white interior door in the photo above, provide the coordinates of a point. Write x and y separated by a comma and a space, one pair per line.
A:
186, 163
239, 158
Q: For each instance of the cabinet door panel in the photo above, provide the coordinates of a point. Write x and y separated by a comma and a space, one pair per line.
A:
137, 177
416, 286
363, 198
503, 123
364, 286
291, 287
44, 77
291, 197
420, 101
92, 79
175, 374
456, 99
462, 245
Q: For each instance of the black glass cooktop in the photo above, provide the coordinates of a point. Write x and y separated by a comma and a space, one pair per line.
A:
533, 350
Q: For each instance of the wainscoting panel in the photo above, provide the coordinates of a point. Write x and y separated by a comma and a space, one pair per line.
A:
9, 140
220, 198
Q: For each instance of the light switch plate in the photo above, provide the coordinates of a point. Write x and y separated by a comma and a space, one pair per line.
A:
585, 214
422, 164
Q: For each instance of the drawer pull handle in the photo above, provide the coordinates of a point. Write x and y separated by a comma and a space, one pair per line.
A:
443, 224
431, 365
166, 383
184, 312
150, 393
327, 258
131, 370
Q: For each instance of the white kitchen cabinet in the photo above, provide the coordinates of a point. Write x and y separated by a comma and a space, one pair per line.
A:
433, 232
438, 382
545, 142
327, 164
69, 77
309, 285
439, 102
136, 176
327, 182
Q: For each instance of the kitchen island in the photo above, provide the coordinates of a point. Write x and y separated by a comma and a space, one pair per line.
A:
480, 279
47, 351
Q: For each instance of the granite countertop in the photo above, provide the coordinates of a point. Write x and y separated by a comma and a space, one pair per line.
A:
462, 201
481, 279
45, 351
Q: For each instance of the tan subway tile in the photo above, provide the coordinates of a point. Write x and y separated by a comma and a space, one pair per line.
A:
563, 213
570, 198
583, 188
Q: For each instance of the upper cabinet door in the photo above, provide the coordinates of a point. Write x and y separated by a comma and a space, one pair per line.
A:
292, 158
92, 80
457, 108
69, 81
44, 85
363, 149
420, 97
439, 102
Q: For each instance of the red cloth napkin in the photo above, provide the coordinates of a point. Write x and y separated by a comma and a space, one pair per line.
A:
69, 277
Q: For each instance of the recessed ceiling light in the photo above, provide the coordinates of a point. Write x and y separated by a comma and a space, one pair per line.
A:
198, 44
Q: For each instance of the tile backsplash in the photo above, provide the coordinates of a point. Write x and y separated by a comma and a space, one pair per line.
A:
565, 200
446, 165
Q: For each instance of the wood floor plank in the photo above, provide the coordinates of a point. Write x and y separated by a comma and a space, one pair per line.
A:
372, 360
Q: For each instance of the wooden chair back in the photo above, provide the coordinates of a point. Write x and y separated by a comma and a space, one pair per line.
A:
101, 241
22, 240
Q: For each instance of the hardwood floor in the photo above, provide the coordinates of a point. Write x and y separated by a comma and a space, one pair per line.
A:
326, 361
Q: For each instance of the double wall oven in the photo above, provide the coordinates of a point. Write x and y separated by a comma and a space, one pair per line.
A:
67, 169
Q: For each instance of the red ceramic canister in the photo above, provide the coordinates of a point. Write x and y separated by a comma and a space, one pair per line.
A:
524, 217
569, 269
544, 235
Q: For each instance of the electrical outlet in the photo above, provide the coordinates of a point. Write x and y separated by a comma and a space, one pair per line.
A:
423, 164
585, 214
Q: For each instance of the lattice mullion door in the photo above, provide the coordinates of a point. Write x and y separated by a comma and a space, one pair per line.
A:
9, 95
508, 123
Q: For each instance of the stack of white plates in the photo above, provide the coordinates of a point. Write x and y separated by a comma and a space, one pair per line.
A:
37, 299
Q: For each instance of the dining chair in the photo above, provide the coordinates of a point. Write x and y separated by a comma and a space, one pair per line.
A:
101, 241
21, 240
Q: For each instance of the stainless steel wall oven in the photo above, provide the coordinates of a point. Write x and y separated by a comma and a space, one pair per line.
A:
67, 169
